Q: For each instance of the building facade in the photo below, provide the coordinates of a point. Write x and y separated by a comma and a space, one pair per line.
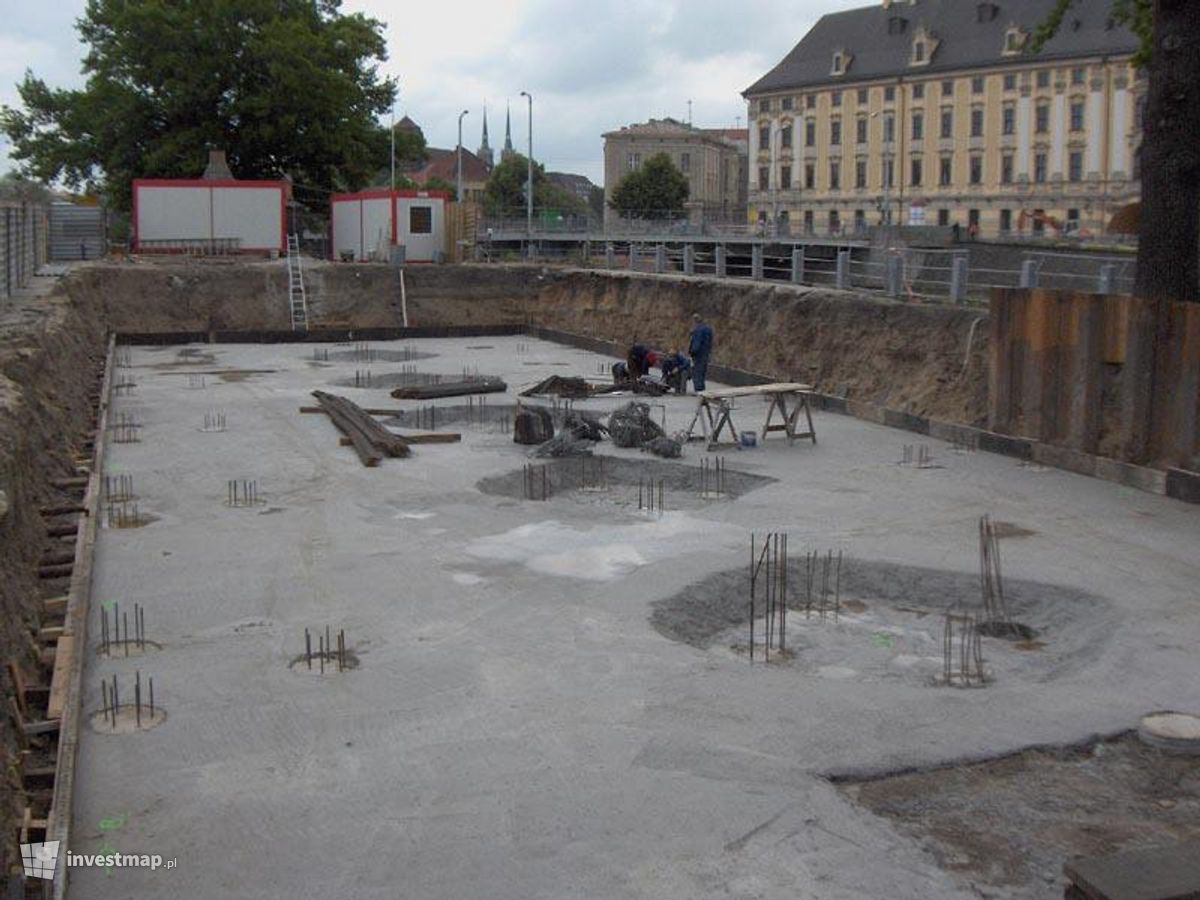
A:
714, 161
937, 112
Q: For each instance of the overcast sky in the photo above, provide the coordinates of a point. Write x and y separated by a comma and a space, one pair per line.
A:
591, 66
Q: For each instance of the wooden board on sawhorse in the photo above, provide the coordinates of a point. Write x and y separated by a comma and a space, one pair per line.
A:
714, 410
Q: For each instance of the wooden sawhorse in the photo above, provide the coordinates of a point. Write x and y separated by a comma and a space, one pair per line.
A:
714, 411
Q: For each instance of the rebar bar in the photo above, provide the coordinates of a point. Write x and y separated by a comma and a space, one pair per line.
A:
308, 649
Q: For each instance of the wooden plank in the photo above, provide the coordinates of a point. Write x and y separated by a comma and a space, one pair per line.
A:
1160, 873
367, 409
51, 634
69, 482
63, 660
17, 677
430, 437
781, 387
64, 510
47, 727
55, 604
50, 572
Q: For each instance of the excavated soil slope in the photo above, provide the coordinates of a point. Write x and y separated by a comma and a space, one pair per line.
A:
49, 350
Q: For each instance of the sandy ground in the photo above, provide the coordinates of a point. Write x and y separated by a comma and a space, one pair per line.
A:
524, 722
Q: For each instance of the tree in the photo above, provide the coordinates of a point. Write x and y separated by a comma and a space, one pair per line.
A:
284, 86
505, 191
1168, 262
657, 190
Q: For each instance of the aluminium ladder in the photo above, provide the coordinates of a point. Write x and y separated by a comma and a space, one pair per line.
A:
296, 297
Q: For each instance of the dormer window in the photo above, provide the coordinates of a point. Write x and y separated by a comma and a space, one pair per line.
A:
923, 46
897, 24
839, 63
985, 12
1014, 40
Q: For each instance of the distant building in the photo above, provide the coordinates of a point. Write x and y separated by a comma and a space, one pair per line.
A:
579, 186
714, 161
508, 147
485, 151
933, 112
443, 164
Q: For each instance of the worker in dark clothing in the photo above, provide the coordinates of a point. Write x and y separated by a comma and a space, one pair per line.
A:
675, 369
700, 340
635, 361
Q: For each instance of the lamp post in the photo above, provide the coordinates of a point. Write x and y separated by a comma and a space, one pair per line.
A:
458, 171
529, 184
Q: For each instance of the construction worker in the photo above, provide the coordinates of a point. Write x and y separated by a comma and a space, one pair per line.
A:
675, 369
700, 340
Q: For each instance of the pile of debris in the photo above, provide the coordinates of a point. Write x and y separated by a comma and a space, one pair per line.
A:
631, 426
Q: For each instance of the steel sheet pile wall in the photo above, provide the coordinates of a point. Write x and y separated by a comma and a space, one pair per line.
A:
23, 243
77, 231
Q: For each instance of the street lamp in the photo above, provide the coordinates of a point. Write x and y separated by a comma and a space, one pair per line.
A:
458, 178
529, 184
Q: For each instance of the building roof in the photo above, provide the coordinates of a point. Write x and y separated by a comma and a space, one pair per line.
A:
673, 128
444, 164
965, 35
730, 134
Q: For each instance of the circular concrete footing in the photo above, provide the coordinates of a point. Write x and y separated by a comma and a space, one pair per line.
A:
127, 719
127, 649
1174, 732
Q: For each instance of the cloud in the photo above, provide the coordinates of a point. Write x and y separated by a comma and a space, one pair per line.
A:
591, 67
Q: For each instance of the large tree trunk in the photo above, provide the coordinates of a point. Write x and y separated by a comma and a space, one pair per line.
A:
1169, 239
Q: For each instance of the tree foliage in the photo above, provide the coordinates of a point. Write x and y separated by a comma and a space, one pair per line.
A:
284, 86
656, 190
1136, 15
505, 191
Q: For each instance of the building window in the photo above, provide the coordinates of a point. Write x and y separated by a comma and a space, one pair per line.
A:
947, 123
918, 92
1008, 119
1012, 40
860, 173
837, 64
862, 96
810, 176
685, 162
1075, 166
1005, 220
835, 132
1010, 82
1043, 78
860, 221
860, 130
1139, 112
1039, 223
1078, 75
1041, 118
889, 94
976, 170
977, 84
948, 88
917, 169
835, 222
888, 173
973, 218
810, 133
945, 171
835, 98
943, 217
889, 128
1077, 115
1039, 168
764, 136
633, 160
1073, 218
808, 221
785, 137
918, 126
764, 177
977, 122
786, 103
835, 176
918, 51
785, 177
810, 101
764, 105
1006, 169
420, 220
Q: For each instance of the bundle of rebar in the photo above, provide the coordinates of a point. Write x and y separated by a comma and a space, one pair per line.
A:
768, 569
479, 385
961, 632
112, 702
537, 487
991, 585
823, 584
712, 477
325, 650
647, 488
371, 441
111, 636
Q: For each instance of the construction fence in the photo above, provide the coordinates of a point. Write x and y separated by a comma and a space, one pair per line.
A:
24, 242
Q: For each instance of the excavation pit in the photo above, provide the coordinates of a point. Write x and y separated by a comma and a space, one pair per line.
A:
890, 625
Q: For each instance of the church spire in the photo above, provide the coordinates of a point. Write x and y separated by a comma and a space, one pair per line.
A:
508, 147
485, 151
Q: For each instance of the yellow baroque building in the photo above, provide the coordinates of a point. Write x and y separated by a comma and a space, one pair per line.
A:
937, 112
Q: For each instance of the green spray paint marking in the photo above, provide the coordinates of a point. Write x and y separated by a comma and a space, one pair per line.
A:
886, 641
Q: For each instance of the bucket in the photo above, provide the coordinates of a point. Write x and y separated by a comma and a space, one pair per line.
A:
748, 439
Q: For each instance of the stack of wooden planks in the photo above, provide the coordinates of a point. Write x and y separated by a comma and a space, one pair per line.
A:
371, 441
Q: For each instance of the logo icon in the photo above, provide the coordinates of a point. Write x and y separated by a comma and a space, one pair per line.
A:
39, 859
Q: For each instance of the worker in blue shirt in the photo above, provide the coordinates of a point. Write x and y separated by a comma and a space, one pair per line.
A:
700, 340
